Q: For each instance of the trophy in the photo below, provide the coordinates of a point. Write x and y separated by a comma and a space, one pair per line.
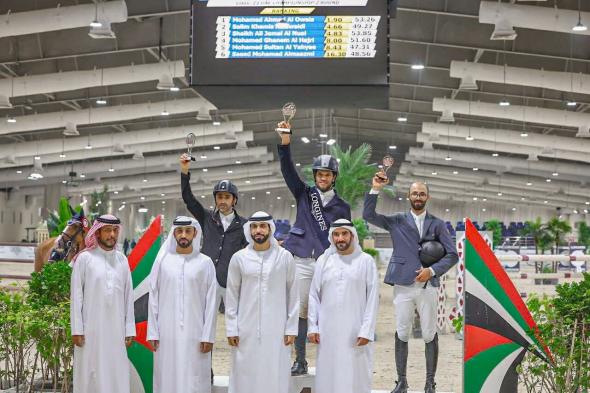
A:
190, 142
388, 162
288, 110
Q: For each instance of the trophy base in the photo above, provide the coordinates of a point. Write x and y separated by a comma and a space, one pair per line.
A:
281, 130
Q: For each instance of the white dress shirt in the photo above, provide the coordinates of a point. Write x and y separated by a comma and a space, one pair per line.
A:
419, 220
327, 196
227, 220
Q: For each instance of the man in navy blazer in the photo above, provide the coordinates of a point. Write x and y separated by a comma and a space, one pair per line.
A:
415, 286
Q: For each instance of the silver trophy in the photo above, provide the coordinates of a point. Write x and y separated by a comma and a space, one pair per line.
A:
288, 110
190, 142
388, 162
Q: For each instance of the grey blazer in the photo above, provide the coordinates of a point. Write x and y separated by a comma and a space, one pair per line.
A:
406, 243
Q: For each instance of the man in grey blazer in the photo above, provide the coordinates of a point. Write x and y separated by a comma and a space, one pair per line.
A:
415, 287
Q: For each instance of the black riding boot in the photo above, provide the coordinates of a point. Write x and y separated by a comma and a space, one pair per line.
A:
431, 352
401, 363
300, 364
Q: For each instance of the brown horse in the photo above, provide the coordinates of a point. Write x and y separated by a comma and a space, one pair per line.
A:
62, 247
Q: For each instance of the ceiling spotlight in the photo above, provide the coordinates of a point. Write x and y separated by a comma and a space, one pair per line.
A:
475, 169
483, 209
64, 181
587, 202
330, 142
205, 169
447, 210
101, 101
37, 158
402, 119
555, 174
62, 155
418, 67
142, 198
455, 172
116, 192
524, 134
323, 135
202, 196
162, 195
494, 154
469, 138
142, 209
475, 198
580, 26
11, 119
216, 123
392, 147
18, 171
434, 173
278, 197
82, 176
522, 198
95, 23
175, 88
121, 207
111, 169
298, 164
163, 202
575, 211
500, 193
230, 171
145, 180
513, 209
528, 183
504, 102
216, 147
35, 175
248, 182
545, 202
268, 193
203, 156
304, 139
253, 197
548, 180
448, 158
88, 147
571, 103
585, 211
165, 113
485, 199
238, 162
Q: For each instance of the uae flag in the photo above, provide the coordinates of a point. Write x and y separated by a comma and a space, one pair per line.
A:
141, 353
499, 329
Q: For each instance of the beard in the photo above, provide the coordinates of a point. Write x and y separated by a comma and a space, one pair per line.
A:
184, 243
108, 244
418, 205
324, 189
342, 246
260, 239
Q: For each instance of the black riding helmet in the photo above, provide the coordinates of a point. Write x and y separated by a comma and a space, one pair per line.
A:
226, 186
325, 162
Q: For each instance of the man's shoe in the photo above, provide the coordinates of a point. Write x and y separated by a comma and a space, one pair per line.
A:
401, 386
299, 368
430, 387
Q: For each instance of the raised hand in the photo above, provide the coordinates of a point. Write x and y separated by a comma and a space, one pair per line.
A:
185, 163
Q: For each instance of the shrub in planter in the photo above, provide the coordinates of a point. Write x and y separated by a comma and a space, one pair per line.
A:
564, 325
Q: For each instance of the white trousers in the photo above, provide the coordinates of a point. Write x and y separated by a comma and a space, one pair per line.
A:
406, 299
304, 268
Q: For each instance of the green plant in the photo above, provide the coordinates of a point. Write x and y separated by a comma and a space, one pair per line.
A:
495, 226
538, 232
557, 229
48, 294
362, 230
458, 323
57, 220
564, 326
372, 252
583, 234
99, 202
354, 173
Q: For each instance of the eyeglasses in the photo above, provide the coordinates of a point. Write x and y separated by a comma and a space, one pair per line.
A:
418, 195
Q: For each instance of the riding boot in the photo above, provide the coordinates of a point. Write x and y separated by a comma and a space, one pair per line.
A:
300, 364
431, 352
401, 362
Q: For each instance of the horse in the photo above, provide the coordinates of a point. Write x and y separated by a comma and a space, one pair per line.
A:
63, 247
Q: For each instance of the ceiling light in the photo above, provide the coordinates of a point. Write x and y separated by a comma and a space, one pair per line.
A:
268, 193
499, 193
64, 181
162, 195
504, 102
95, 23
448, 158
238, 162
205, 169
548, 180
400, 198
82, 176
330, 142
447, 210
165, 113
575, 211
580, 26
19, 171
483, 209
528, 183
485, 199
203, 156
392, 147
587, 202
434, 173
175, 88
11, 119
248, 182
101, 101
145, 180
202, 196
545, 202
111, 169
469, 138
402, 119
585, 211
116, 192
253, 197
292, 205
216, 123
121, 207
571, 103
524, 134
494, 154
216, 147
298, 164
37, 158
142, 198
555, 174
88, 147
278, 197
418, 67
513, 209
476, 169
475, 198
230, 171
455, 172
62, 155
323, 135
522, 198
142, 209
163, 202
304, 139
35, 175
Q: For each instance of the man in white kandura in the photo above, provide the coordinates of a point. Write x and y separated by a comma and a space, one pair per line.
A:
261, 311
181, 316
101, 311
343, 303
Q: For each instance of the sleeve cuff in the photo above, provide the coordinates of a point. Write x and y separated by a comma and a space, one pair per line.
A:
433, 272
373, 192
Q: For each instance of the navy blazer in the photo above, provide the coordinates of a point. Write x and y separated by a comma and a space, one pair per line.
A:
406, 243
305, 239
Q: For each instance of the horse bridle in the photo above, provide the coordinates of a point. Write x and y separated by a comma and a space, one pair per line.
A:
68, 239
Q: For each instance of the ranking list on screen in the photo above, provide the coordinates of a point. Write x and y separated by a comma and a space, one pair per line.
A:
306, 36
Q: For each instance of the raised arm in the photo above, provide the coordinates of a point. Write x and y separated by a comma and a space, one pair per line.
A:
370, 205
294, 182
192, 204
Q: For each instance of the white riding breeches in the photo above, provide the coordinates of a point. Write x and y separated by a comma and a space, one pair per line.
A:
406, 299
304, 268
